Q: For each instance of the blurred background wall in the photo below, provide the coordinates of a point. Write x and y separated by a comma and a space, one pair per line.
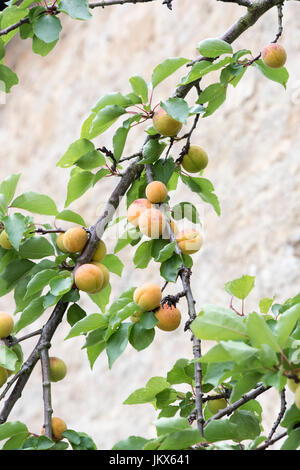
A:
253, 144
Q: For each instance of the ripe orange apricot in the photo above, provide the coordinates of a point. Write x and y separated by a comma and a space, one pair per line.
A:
60, 243
274, 55
75, 239
147, 296
164, 124
105, 274
135, 210
156, 192
89, 278
189, 241
152, 223
3, 376
195, 160
4, 241
58, 369
58, 427
100, 251
6, 325
169, 318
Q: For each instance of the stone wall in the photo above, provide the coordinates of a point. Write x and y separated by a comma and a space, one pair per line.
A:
253, 144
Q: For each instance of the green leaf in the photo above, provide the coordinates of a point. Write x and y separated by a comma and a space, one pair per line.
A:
39, 281
164, 169
148, 320
77, 9
42, 48
94, 352
88, 323
186, 210
91, 160
181, 440
139, 87
142, 255
105, 118
170, 425
61, 284
12, 273
140, 338
167, 68
47, 28
15, 226
74, 314
204, 188
8, 186
286, 323
36, 203
35, 248
16, 441
260, 333
113, 99
241, 287
3, 205
8, 358
166, 252
293, 440
31, 313
119, 140
236, 351
247, 425
77, 149
203, 68
244, 385
131, 443
152, 150
8, 77
280, 75
113, 264
12, 428
177, 108
102, 298
291, 417
219, 323
169, 268
10, 16
132, 234
71, 216
78, 184
214, 47
147, 394
99, 175
214, 95
182, 372
265, 304
117, 343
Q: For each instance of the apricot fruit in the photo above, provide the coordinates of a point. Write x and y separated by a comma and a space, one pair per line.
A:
147, 296
3, 376
216, 405
297, 397
135, 210
156, 192
169, 318
189, 241
89, 278
60, 243
274, 56
100, 251
152, 223
6, 325
164, 124
292, 384
4, 241
58, 427
195, 160
105, 273
75, 239
58, 369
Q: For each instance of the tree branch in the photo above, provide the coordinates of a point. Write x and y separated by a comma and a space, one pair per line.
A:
46, 390
243, 3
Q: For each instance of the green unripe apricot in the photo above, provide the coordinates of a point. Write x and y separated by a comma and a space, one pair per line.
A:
297, 397
164, 124
216, 405
3, 376
58, 369
292, 384
195, 160
4, 241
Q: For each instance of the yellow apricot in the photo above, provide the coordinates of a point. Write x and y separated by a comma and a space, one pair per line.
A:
292, 384
297, 397
147, 296
100, 251
4, 241
75, 239
164, 124
195, 160
58, 369
58, 427
216, 405
169, 318
189, 241
60, 243
135, 210
274, 55
6, 325
105, 274
89, 278
3, 376
156, 192
152, 223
